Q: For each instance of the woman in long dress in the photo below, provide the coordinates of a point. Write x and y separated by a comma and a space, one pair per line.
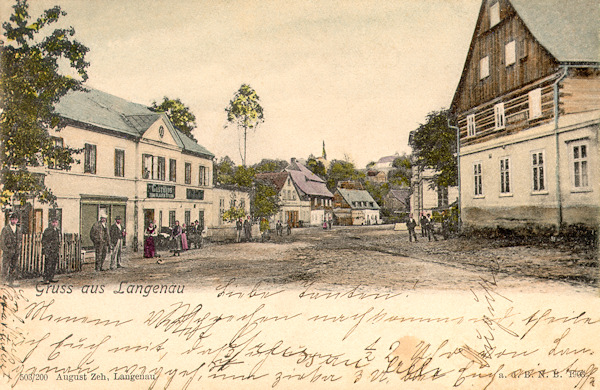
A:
149, 248
176, 237
184, 242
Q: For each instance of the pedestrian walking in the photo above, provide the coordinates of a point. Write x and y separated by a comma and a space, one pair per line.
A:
149, 246
279, 228
51, 250
430, 228
239, 228
248, 229
100, 236
176, 238
423, 222
117, 236
11, 248
410, 225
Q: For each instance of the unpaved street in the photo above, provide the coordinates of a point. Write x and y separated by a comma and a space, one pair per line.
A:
375, 256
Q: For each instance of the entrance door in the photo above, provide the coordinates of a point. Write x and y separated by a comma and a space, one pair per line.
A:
148, 217
292, 218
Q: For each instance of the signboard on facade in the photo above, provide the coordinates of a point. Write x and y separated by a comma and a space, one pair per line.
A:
160, 191
195, 194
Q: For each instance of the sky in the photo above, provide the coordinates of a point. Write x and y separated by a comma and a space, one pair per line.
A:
357, 75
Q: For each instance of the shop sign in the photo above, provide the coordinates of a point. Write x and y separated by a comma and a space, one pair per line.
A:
195, 194
160, 191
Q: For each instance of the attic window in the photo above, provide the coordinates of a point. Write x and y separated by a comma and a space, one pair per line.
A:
510, 53
484, 67
494, 14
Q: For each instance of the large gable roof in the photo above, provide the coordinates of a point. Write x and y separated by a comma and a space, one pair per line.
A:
306, 181
109, 112
569, 30
356, 198
276, 178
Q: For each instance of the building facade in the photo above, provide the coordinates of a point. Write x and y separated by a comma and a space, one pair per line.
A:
426, 200
313, 189
293, 209
134, 164
528, 112
354, 207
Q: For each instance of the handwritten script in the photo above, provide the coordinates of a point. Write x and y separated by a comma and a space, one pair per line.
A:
305, 336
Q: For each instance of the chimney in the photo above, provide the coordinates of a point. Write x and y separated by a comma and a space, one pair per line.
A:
293, 160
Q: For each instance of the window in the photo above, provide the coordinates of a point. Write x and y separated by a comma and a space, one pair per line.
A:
580, 164
172, 169
203, 176
510, 53
477, 175
471, 125
494, 14
171, 218
535, 103
187, 218
243, 204
119, 163
499, 116
442, 193
484, 67
505, 175
537, 166
57, 143
89, 164
188, 173
153, 167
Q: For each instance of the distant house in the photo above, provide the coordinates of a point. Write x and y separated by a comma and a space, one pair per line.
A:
355, 207
385, 164
397, 200
528, 110
293, 207
311, 188
375, 176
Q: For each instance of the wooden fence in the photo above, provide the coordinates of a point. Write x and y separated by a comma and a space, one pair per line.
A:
31, 261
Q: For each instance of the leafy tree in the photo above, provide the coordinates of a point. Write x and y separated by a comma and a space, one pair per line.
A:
268, 165
224, 171
234, 213
245, 112
370, 165
377, 190
244, 176
402, 172
316, 167
179, 114
340, 170
31, 85
434, 146
265, 202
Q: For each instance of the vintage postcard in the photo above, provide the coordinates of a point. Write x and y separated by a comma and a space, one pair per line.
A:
300, 194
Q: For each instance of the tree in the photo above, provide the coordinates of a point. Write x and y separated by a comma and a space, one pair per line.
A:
224, 171
31, 84
434, 146
317, 167
340, 170
265, 202
268, 165
245, 112
179, 114
401, 174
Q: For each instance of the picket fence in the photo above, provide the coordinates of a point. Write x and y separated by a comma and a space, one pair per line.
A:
31, 261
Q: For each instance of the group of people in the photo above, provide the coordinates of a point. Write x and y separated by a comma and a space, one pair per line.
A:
243, 229
182, 238
108, 240
427, 227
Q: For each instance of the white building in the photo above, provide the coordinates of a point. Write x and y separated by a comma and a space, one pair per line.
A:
134, 164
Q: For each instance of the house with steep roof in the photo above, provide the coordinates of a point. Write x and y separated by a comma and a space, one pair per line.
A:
385, 164
528, 113
397, 200
313, 189
293, 207
135, 164
353, 207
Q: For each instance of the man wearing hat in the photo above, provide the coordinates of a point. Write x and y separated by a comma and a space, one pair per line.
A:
117, 234
11, 240
51, 250
100, 236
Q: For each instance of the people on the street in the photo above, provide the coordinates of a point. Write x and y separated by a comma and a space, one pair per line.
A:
51, 250
149, 246
184, 241
248, 229
410, 225
100, 236
264, 229
279, 228
445, 225
423, 222
11, 248
430, 228
117, 236
289, 228
176, 239
239, 228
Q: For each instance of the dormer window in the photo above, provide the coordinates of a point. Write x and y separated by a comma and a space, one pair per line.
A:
484, 67
494, 14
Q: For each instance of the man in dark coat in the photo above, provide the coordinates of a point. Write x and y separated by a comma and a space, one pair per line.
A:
11, 248
239, 226
248, 229
117, 235
410, 225
430, 227
51, 250
423, 225
100, 236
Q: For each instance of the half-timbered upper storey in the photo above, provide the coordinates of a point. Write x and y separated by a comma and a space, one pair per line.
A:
519, 50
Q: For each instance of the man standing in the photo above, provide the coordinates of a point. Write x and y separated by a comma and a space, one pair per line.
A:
51, 250
423, 225
279, 228
430, 227
410, 225
117, 235
248, 229
100, 236
11, 248
239, 226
